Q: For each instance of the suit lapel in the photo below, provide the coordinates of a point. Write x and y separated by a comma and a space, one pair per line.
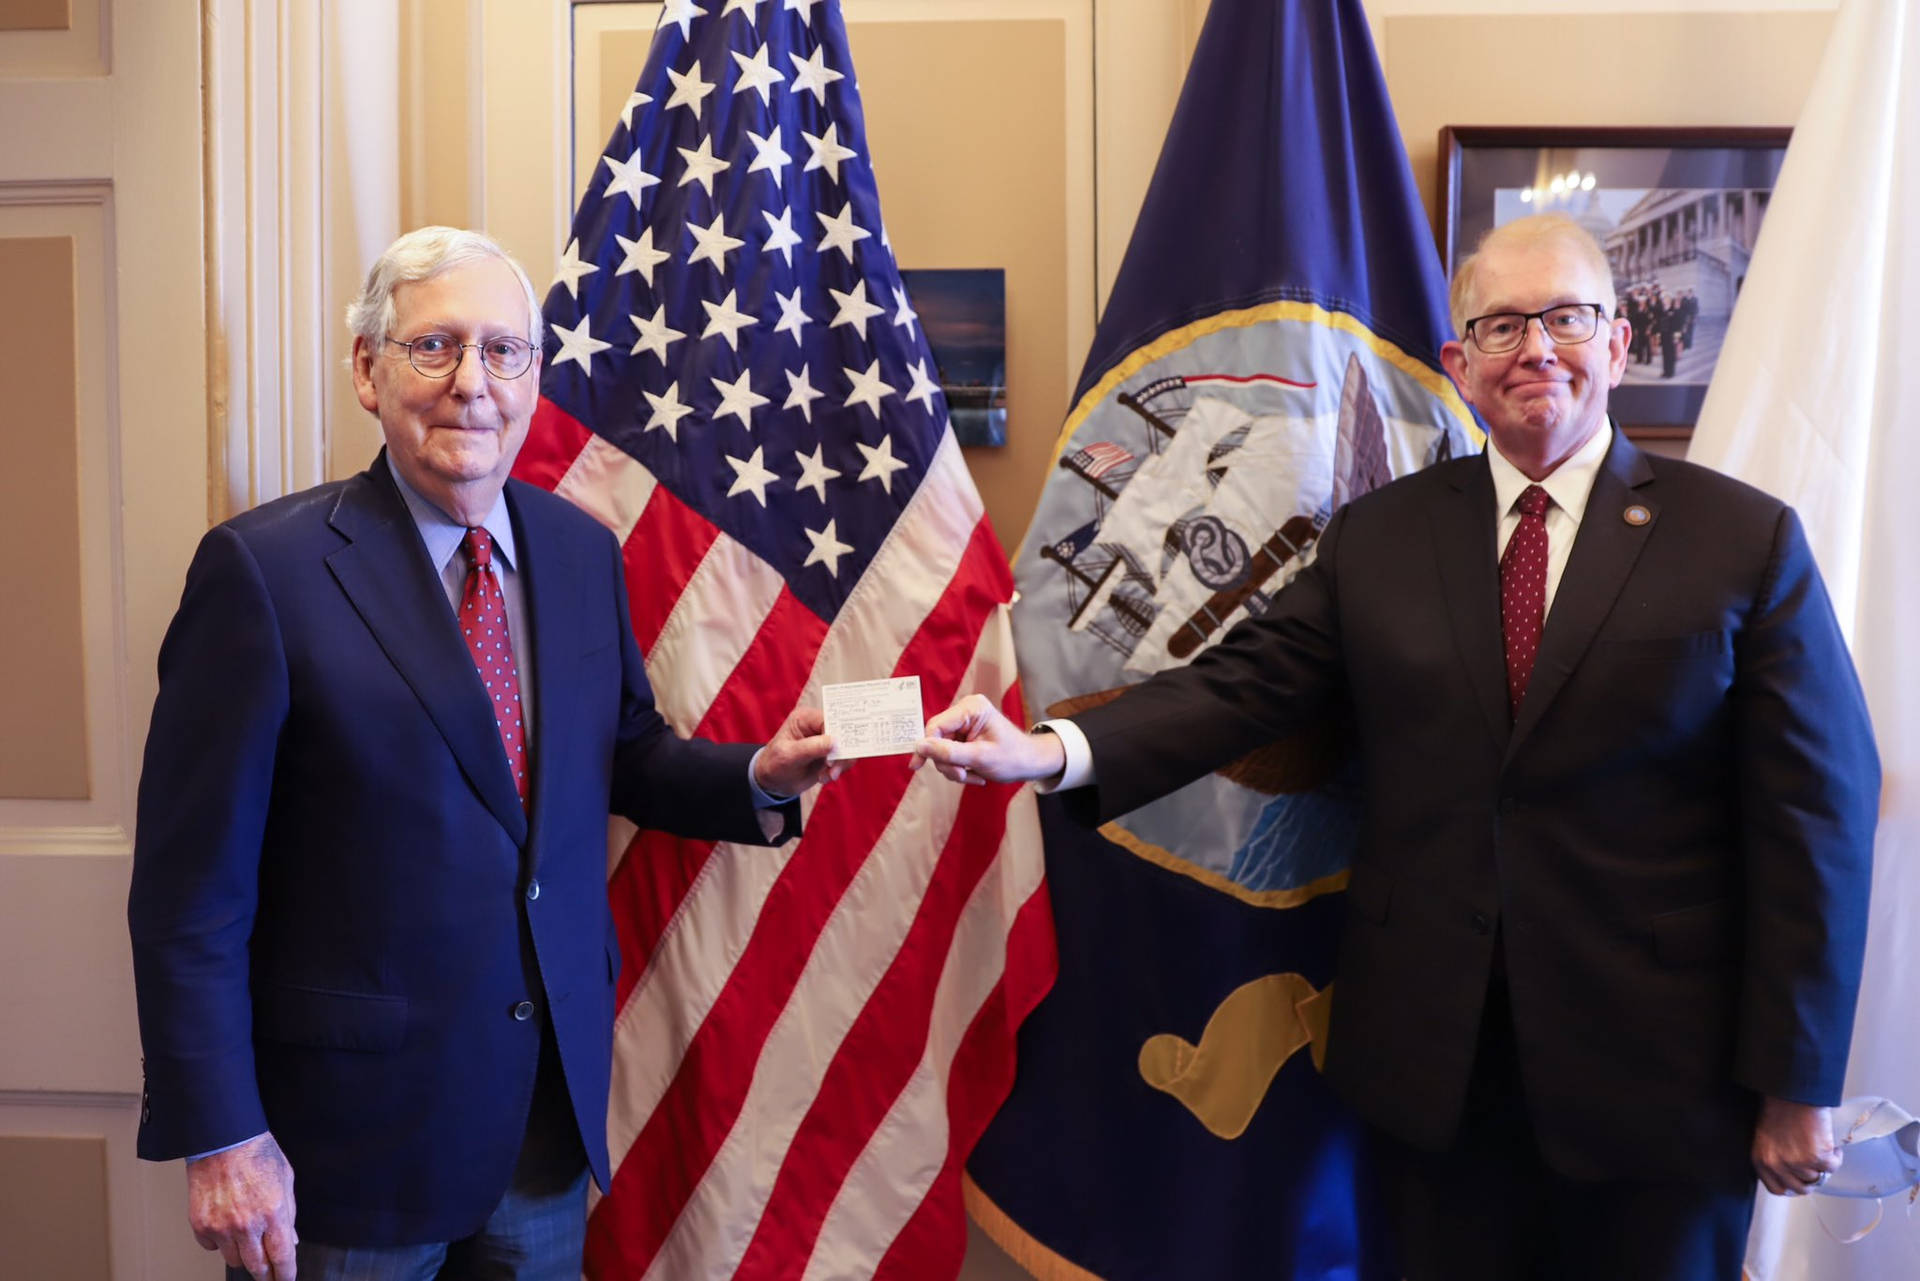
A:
1604, 552
550, 587
1463, 540
384, 571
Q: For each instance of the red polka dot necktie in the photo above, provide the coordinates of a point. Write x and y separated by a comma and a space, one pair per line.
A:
1523, 593
483, 624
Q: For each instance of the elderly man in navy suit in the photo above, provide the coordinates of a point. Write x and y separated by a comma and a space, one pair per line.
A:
372, 946
1606, 919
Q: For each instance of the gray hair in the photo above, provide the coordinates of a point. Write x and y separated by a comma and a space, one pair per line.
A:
1531, 230
422, 254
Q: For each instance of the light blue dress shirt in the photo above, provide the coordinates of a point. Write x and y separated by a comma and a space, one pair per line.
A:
443, 537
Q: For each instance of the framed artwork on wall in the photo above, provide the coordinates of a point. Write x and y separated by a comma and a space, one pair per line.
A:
965, 314
1677, 209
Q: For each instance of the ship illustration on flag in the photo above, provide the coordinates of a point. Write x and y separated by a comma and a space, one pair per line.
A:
1204, 486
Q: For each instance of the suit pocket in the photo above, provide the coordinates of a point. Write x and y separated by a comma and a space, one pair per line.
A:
1654, 649
327, 1020
1694, 936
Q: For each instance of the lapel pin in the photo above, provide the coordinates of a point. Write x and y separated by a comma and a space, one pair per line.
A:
1636, 515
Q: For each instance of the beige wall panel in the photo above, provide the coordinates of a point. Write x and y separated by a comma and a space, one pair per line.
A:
67, 999
146, 1236
522, 70
610, 44
78, 148
43, 754
62, 497
1143, 48
66, 978
967, 126
1630, 69
36, 15
623, 54
438, 43
53, 1209
52, 38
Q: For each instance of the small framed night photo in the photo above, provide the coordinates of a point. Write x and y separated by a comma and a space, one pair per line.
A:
965, 314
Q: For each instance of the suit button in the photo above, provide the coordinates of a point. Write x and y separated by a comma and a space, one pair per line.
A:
533, 890
523, 1011
1508, 805
1482, 924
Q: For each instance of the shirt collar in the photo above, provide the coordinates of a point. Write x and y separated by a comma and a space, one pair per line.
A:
1569, 484
443, 534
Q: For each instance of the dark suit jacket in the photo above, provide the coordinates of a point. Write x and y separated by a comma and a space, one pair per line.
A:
1673, 840
338, 902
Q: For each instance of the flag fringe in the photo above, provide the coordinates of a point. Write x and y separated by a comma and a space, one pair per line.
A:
1040, 1262
1332, 883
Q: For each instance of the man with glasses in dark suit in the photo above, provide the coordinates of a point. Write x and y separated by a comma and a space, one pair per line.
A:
1607, 914
373, 953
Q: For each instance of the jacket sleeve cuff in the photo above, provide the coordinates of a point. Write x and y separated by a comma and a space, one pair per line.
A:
199, 1108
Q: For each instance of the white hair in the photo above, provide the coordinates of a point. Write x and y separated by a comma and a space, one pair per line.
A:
1531, 231
422, 254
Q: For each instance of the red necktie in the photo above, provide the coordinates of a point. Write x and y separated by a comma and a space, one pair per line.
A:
483, 622
1523, 593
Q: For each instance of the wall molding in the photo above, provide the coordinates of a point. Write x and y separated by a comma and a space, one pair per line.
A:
111, 1099
98, 839
55, 191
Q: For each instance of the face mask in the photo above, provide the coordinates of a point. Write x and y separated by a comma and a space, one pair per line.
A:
1879, 1149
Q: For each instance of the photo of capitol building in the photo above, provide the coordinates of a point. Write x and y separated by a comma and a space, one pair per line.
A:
1679, 258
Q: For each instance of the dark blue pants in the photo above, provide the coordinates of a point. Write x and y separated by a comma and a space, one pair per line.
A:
1490, 1209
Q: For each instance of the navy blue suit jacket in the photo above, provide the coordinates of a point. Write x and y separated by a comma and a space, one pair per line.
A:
338, 902
1672, 841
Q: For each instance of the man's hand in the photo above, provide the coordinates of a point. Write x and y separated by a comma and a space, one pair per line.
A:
240, 1202
1793, 1148
972, 742
795, 758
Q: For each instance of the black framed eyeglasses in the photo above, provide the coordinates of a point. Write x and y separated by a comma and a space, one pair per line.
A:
1500, 331
438, 355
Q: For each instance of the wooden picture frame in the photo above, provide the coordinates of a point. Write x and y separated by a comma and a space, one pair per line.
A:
1678, 210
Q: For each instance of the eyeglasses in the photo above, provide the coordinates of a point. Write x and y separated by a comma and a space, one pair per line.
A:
438, 355
1573, 322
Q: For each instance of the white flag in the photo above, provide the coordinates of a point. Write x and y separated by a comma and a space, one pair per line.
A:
1816, 399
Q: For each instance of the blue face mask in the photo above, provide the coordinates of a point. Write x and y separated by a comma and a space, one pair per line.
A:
1879, 1149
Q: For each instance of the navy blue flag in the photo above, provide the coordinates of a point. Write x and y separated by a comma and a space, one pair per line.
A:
809, 1039
1270, 351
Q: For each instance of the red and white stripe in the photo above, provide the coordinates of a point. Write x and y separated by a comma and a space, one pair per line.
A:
811, 1038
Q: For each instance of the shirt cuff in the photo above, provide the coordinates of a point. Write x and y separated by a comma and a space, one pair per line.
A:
1079, 770
762, 800
230, 1147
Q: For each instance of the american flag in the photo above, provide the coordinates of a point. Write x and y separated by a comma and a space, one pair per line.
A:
1099, 458
809, 1040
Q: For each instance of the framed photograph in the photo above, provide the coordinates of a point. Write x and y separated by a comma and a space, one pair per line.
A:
1678, 211
965, 314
